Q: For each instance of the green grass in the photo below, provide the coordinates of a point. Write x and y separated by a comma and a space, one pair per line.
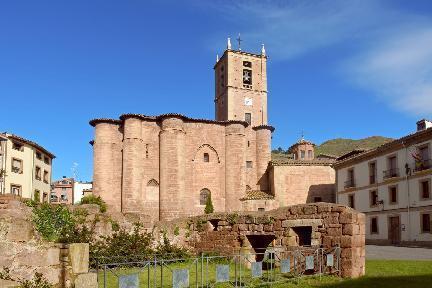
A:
379, 274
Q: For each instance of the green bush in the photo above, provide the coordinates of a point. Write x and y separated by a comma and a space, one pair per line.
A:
54, 223
209, 205
38, 281
37, 196
91, 199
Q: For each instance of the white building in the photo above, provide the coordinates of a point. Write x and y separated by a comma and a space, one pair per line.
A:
391, 184
79, 188
25, 168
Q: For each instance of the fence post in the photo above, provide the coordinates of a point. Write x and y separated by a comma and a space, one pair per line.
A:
105, 277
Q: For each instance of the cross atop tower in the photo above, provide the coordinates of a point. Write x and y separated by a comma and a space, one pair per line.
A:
239, 40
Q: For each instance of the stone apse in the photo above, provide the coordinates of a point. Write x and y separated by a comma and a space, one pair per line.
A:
319, 225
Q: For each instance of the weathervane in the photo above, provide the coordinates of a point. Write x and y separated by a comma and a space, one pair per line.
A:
239, 42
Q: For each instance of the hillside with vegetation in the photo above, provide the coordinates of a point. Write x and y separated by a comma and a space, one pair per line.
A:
340, 146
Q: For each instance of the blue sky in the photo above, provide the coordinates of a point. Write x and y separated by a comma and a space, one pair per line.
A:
347, 69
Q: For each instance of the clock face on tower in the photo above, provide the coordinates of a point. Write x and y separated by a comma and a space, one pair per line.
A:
248, 101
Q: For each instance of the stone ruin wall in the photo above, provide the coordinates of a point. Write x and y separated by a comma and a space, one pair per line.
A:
332, 225
24, 252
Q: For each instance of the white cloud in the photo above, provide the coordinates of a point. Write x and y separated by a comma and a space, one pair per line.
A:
392, 54
398, 69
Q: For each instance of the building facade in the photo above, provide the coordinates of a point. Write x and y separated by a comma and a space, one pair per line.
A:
62, 191
166, 166
392, 186
81, 189
25, 168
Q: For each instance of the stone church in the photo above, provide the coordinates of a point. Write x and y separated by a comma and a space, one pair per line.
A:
167, 165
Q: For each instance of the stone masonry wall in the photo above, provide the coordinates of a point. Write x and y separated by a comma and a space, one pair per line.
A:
332, 225
24, 252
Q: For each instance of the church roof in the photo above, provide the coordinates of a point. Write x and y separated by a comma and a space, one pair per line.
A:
257, 195
296, 162
176, 115
300, 142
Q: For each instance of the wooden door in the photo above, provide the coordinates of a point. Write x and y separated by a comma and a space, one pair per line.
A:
394, 230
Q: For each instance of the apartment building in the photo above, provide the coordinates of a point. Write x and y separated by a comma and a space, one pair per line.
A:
391, 184
62, 191
25, 168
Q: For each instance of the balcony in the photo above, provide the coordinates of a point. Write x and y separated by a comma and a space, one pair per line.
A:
349, 184
391, 173
422, 165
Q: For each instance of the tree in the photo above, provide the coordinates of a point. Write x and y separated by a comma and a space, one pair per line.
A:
209, 205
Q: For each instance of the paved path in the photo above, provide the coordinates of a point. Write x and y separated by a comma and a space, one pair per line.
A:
399, 253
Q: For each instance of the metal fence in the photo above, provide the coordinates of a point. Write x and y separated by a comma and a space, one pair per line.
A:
275, 265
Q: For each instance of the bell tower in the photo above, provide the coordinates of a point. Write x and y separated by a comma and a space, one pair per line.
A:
241, 86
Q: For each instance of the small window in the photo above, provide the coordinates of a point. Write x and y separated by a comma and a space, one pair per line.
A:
373, 198
65, 182
204, 194
17, 165
46, 160
304, 235
39, 155
261, 209
351, 202
45, 197
247, 64
374, 225
38, 173
317, 199
248, 143
17, 146
372, 172
16, 190
426, 223
45, 176
53, 197
147, 151
393, 194
302, 154
248, 118
247, 76
249, 164
63, 196
425, 189
206, 157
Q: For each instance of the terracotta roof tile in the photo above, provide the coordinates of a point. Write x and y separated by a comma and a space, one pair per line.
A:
257, 195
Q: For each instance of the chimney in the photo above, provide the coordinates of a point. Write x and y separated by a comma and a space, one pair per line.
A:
423, 125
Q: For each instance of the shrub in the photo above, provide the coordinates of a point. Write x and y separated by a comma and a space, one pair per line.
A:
91, 199
54, 223
167, 250
128, 246
38, 281
209, 205
37, 196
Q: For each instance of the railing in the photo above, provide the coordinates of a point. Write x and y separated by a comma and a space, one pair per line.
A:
275, 265
394, 172
422, 165
349, 183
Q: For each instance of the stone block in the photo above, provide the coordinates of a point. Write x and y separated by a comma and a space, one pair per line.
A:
20, 231
334, 231
9, 284
327, 241
351, 229
79, 257
338, 209
323, 209
347, 218
38, 257
308, 210
87, 280
347, 241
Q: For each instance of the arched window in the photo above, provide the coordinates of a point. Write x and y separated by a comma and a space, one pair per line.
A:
206, 157
204, 194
